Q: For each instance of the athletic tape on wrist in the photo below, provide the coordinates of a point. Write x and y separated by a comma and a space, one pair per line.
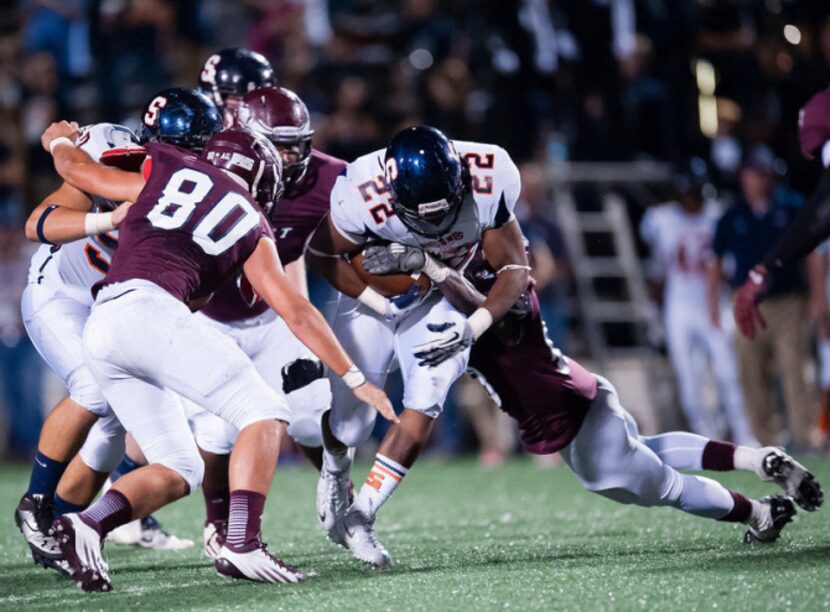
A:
373, 300
480, 321
353, 377
435, 270
98, 223
60, 140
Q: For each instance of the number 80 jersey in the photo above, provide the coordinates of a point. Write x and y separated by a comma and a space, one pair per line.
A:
361, 212
191, 228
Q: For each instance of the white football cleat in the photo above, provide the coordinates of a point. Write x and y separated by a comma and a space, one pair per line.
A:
81, 548
356, 531
258, 565
33, 517
779, 467
765, 528
213, 536
332, 493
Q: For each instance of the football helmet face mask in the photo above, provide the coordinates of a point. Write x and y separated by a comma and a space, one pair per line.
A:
183, 117
280, 115
231, 73
427, 180
251, 160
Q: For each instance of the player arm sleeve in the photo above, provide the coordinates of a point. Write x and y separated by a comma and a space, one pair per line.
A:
810, 228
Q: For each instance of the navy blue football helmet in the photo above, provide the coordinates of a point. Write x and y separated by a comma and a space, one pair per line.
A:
427, 180
183, 117
235, 72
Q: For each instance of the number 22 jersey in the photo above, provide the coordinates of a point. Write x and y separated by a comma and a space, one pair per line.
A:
191, 228
361, 212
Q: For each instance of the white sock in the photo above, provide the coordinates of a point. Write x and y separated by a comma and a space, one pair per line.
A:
680, 450
384, 477
750, 459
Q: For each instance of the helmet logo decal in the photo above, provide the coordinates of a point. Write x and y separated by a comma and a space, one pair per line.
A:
158, 103
209, 71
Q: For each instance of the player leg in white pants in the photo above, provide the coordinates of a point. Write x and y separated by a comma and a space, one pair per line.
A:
610, 459
288, 367
683, 342
55, 322
145, 348
425, 390
725, 368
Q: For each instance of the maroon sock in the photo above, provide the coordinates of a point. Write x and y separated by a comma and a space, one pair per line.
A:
244, 520
740, 511
718, 456
217, 504
109, 512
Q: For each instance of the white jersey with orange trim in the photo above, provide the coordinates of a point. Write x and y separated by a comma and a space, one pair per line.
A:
74, 267
361, 212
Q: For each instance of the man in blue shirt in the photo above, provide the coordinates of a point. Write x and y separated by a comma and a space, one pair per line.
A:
743, 236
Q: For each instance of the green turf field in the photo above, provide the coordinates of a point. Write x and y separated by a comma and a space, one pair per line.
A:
463, 538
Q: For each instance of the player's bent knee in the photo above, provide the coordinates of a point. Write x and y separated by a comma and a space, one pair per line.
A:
84, 391
189, 465
103, 453
306, 432
354, 431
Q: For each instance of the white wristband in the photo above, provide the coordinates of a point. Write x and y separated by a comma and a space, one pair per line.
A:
435, 270
480, 321
98, 223
353, 377
60, 140
373, 300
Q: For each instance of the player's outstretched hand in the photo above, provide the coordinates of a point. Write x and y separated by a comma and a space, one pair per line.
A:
450, 342
377, 399
392, 258
745, 307
120, 213
59, 129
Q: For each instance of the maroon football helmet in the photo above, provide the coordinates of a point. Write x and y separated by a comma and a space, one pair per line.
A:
282, 117
814, 123
251, 160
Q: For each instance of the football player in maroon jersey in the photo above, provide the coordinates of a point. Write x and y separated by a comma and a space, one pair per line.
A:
281, 116
561, 406
195, 223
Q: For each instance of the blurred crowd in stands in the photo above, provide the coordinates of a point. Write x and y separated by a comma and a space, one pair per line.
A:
550, 80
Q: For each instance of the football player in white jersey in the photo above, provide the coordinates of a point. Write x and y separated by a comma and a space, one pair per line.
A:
447, 198
78, 232
680, 237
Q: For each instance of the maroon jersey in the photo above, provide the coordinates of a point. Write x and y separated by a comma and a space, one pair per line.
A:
547, 393
191, 228
293, 219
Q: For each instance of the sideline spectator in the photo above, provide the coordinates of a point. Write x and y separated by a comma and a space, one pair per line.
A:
758, 218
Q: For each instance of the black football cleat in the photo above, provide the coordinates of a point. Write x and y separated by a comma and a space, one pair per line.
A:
33, 516
767, 529
790, 475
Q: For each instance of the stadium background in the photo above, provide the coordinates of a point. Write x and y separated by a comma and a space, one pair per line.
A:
598, 99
